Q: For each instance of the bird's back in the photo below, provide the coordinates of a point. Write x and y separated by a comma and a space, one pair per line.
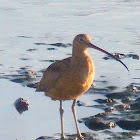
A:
52, 74
67, 79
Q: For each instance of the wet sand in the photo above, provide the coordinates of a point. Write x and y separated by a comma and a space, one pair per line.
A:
35, 34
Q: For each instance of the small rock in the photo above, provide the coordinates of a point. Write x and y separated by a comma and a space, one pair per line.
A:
109, 109
97, 123
122, 107
102, 101
134, 56
51, 48
120, 95
129, 125
32, 85
79, 103
118, 55
132, 88
21, 105
18, 80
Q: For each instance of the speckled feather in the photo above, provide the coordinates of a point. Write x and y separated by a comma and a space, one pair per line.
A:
61, 81
52, 74
69, 78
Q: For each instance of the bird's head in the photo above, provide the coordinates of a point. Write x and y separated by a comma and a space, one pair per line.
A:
83, 41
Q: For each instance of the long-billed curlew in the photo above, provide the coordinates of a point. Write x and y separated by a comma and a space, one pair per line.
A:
70, 78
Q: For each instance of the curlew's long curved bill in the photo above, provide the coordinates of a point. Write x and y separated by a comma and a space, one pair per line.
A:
99, 49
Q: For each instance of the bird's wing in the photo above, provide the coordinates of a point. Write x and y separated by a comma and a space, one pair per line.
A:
52, 74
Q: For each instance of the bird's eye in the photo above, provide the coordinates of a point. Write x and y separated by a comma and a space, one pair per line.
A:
81, 40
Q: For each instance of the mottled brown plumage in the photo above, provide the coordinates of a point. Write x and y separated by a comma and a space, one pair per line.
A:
70, 78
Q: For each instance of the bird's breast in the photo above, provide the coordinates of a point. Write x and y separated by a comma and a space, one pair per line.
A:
84, 72
75, 81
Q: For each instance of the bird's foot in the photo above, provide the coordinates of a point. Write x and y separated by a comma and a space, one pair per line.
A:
80, 137
63, 137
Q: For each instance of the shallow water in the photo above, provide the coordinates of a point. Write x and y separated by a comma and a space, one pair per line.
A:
113, 25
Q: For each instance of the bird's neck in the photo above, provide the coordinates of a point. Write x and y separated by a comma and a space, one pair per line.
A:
83, 66
79, 52
80, 57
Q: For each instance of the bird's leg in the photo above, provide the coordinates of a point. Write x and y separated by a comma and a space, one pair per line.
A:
80, 137
62, 120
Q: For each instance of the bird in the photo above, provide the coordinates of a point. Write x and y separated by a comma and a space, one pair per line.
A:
70, 78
